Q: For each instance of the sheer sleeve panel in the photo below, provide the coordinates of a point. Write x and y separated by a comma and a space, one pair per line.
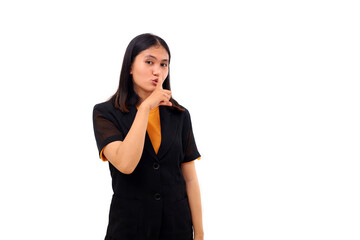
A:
105, 129
191, 152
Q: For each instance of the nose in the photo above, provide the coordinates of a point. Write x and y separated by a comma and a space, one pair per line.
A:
156, 70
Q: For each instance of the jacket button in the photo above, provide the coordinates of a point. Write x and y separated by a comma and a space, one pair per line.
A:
157, 196
156, 166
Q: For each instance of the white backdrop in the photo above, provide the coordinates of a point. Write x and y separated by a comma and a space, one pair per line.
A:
273, 92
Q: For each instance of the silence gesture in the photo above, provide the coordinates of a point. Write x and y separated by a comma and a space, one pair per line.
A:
159, 96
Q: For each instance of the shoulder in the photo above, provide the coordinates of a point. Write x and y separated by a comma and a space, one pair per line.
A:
104, 106
107, 107
175, 112
107, 110
186, 112
184, 115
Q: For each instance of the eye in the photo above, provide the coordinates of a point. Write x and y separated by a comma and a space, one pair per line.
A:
149, 62
164, 65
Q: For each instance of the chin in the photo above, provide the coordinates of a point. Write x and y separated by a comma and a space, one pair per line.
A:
150, 89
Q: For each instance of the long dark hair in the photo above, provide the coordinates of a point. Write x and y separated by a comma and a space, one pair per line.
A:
125, 95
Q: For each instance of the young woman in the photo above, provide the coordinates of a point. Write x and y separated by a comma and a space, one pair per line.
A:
147, 138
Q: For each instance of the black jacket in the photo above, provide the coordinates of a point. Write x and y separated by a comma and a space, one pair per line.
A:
151, 202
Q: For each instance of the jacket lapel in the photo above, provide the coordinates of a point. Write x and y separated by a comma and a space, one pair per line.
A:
169, 125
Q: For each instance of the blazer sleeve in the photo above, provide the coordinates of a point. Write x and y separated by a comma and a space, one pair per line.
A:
191, 152
105, 129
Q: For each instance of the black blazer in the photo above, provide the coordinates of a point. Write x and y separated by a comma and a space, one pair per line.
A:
151, 202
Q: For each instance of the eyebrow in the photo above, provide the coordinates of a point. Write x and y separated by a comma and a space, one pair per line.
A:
151, 56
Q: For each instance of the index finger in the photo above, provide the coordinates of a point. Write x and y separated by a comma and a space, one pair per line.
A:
160, 82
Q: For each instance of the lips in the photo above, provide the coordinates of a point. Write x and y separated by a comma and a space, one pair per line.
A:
155, 81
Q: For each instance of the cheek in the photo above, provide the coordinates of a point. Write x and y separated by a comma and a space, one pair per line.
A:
140, 74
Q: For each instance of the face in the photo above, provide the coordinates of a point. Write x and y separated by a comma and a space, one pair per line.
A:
148, 66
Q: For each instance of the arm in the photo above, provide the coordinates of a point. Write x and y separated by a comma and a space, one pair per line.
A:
125, 155
193, 191
132, 147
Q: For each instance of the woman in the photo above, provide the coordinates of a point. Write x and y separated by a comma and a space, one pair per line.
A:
147, 138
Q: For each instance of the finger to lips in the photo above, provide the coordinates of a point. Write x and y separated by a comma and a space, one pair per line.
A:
160, 82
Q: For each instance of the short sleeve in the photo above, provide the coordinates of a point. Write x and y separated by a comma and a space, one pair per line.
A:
105, 129
191, 152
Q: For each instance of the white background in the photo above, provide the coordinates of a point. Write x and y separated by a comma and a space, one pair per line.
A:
273, 92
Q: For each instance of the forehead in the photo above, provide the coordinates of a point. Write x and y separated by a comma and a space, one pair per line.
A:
157, 51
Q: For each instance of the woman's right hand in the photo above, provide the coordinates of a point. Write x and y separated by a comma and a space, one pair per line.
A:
158, 97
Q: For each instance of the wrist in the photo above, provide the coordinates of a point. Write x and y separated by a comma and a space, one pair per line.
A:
144, 107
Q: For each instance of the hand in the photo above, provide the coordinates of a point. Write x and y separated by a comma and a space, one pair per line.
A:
158, 97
